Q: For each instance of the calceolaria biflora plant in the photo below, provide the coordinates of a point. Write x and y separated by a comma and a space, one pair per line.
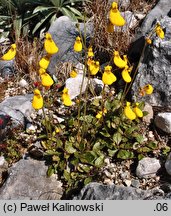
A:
94, 127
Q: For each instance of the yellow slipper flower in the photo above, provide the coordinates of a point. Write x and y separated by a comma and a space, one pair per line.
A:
37, 102
137, 111
11, 53
159, 31
49, 45
44, 62
91, 65
46, 79
78, 44
89, 61
148, 89
110, 27
66, 98
108, 77
114, 15
129, 112
90, 52
148, 41
118, 61
125, 75
95, 68
100, 113
125, 58
73, 74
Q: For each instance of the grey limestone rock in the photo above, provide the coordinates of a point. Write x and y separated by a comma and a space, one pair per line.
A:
3, 169
97, 191
163, 121
168, 164
7, 68
18, 107
162, 8
28, 180
74, 85
64, 32
147, 167
155, 69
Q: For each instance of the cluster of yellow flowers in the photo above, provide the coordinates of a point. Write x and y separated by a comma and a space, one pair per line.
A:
108, 77
159, 32
136, 111
46, 80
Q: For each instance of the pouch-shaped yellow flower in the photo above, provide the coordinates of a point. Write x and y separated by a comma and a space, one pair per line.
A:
148, 89
91, 65
49, 45
125, 75
108, 77
129, 112
46, 79
44, 62
159, 31
66, 98
148, 41
138, 111
118, 61
95, 68
114, 15
90, 52
100, 113
73, 74
78, 44
11, 53
37, 101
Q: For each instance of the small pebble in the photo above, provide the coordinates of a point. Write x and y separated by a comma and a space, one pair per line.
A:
108, 181
23, 83
107, 161
135, 183
127, 182
107, 173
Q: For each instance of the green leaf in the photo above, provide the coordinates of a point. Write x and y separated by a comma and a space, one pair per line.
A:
131, 129
141, 105
152, 145
140, 156
139, 138
50, 170
95, 102
108, 123
105, 133
69, 148
143, 150
99, 161
74, 161
66, 175
88, 157
74, 10
117, 138
107, 105
42, 21
51, 152
124, 154
97, 146
166, 150
87, 180
145, 113
112, 152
